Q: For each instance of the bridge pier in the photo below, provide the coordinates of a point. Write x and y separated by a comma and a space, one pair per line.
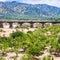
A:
1, 25
43, 25
20, 24
10, 25
31, 25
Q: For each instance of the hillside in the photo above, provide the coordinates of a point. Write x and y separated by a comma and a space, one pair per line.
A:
21, 11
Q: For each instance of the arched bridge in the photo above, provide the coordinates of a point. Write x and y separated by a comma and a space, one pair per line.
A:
13, 23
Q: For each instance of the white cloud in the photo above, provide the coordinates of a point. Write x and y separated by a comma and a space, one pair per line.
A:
3, 0
50, 2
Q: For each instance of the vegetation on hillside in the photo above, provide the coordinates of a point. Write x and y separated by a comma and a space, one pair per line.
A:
21, 11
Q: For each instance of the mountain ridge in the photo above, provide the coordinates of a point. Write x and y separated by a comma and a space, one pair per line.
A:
23, 11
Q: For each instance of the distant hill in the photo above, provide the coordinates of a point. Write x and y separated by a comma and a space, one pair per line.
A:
21, 11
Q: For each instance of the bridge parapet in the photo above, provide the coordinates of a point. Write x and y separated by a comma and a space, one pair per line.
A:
47, 21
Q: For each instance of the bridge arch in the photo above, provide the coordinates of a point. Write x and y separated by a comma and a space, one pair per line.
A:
6, 25
37, 25
48, 24
15, 25
26, 25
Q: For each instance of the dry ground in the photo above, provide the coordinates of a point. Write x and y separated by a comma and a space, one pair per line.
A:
6, 32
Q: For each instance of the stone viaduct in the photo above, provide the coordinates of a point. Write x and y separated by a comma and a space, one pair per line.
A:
11, 24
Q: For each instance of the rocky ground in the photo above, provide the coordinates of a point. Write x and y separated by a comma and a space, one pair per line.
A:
11, 55
7, 31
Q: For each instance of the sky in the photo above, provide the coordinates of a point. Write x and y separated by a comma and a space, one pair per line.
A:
49, 2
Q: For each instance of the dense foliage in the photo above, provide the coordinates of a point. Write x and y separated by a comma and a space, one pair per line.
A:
33, 43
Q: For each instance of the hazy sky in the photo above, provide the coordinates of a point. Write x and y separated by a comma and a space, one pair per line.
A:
50, 2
